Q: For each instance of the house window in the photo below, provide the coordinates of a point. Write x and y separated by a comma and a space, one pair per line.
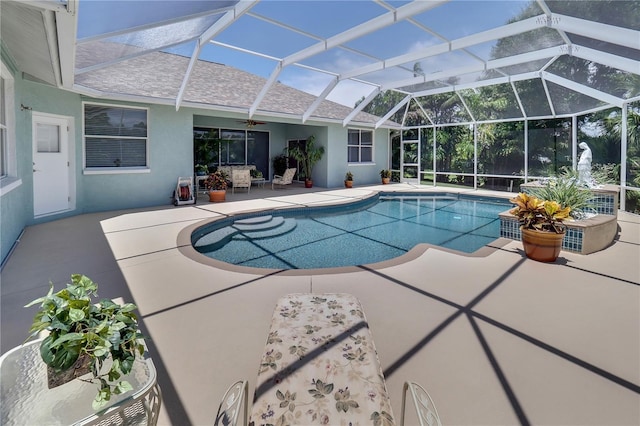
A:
360, 146
8, 158
115, 137
3, 131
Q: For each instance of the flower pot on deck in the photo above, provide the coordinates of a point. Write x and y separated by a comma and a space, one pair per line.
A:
217, 196
542, 246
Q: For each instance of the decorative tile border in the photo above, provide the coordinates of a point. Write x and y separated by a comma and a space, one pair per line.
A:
510, 228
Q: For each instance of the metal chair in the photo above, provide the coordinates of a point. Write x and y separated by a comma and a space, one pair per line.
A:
240, 179
425, 408
285, 179
228, 411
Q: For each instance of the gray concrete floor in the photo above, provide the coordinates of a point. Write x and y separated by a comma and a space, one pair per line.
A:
497, 339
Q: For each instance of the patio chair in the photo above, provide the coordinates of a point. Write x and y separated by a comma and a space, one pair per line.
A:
240, 179
229, 409
285, 179
425, 408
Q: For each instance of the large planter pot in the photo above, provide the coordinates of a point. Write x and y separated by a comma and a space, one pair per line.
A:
217, 196
348, 184
385, 181
541, 245
308, 183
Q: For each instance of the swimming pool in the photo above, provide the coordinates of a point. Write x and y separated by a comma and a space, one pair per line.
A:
370, 231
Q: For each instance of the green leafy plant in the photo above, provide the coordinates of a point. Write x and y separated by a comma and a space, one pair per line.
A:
280, 163
77, 326
217, 181
540, 215
255, 173
307, 156
385, 173
348, 176
202, 169
567, 192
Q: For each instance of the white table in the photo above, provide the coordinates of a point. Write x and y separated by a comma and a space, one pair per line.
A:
27, 400
201, 178
320, 365
258, 182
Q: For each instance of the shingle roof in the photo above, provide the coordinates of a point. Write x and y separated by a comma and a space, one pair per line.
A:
159, 75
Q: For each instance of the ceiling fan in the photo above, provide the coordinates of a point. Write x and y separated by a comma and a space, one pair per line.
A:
251, 123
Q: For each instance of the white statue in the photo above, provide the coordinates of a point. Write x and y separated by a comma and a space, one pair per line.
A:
584, 166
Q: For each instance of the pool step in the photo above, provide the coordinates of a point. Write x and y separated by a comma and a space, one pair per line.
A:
257, 226
252, 228
216, 239
284, 226
253, 220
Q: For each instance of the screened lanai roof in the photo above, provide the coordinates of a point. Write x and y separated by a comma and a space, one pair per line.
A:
401, 60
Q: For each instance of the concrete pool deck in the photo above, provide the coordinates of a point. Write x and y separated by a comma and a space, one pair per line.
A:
495, 339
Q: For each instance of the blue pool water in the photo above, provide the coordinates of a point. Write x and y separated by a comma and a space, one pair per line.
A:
369, 232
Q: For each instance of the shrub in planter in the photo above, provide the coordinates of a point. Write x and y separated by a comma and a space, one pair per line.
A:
78, 327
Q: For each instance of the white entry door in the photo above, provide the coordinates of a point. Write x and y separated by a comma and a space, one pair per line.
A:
51, 191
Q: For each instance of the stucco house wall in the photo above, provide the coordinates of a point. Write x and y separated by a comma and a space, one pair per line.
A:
170, 140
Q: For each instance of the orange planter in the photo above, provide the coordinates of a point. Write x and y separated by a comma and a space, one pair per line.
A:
540, 245
348, 184
217, 196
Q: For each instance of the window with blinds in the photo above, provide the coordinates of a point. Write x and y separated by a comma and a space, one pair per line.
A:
115, 137
360, 146
3, 131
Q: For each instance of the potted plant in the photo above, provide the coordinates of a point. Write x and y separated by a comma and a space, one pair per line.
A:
217, 185
202, 169
280, 163
80, 330
348, 180
307, 156
385, 175
541, 226
567, 190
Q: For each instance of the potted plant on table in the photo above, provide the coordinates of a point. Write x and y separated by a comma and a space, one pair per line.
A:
202, 170
348, 180
81, 331
385, 175
541, 226
217, 185
307, 155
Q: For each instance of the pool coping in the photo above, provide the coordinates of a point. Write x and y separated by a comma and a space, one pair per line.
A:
185, 243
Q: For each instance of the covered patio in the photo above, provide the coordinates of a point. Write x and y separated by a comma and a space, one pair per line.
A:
495, 339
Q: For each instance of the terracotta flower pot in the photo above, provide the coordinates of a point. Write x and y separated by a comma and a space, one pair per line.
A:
541, 245
217, 196
348, 184
308, 183
385, 181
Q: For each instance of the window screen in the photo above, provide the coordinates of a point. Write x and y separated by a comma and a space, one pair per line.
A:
359, 146
115, 136
3, 131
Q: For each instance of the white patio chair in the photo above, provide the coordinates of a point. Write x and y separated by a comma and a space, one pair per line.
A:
285, 179
240, 179
229, 409
425, 408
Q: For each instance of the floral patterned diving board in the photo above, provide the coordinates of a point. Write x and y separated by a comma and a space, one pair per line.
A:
320, 366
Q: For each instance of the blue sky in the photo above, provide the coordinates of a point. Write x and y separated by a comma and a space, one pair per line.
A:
321, 19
